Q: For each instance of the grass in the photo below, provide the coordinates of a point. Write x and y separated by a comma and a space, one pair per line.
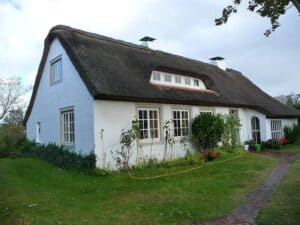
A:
284, 206
291, 148
38, 193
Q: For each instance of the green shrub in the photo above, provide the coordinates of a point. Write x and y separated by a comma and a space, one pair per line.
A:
231, 131
271, 144
60, 156
12, 138
207, 130
292, 134
192, 158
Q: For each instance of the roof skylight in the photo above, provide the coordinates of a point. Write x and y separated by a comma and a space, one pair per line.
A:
176, 80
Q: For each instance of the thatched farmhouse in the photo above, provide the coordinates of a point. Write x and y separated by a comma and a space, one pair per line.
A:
90, 87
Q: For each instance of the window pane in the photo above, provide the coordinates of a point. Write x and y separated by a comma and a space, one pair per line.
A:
177, 79
168, 78
187, 81
196, 82
156, 75
257, 123
145, 124
68, 127
56, 71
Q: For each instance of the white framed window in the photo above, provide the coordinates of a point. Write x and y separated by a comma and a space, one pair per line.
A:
180, 123
149, 123
67, 128
168, 78
206, 112
255, 127
178, 79
276, 129
187, 81
196, 82
56, 70
156, 75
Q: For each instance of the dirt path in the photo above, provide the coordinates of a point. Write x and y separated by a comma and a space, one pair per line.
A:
247, 212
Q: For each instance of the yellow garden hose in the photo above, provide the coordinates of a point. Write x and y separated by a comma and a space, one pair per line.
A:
182, 171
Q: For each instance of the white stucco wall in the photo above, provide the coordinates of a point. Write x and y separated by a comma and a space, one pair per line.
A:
245, 119
71, 92
113, 116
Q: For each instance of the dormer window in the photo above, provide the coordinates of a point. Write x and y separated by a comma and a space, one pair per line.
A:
196, 82
176, 80
55, 70
187, 81
156, 75
168, 78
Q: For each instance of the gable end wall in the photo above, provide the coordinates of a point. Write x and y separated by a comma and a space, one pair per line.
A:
71, 92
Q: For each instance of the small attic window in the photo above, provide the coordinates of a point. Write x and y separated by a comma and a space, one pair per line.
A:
168, 78
196, 82
156, 75
176, 80
187, 81
55, 70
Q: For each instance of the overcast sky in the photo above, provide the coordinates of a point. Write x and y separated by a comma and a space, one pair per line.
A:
184, 27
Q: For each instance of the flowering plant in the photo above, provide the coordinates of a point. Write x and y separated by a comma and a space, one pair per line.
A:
283, 141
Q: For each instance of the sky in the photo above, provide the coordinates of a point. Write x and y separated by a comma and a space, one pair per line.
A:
184, 27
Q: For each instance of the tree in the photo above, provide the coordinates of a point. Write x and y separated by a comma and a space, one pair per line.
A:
11, 91
293, 101
271, 9
15, 116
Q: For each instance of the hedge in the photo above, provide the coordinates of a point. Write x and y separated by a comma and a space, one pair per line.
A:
60, 156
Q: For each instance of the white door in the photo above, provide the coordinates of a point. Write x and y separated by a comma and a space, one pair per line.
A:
38, 132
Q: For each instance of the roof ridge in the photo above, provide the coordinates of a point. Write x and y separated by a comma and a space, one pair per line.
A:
131, 45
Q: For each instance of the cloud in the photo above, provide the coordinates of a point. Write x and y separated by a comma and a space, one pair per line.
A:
12, 3
181, 27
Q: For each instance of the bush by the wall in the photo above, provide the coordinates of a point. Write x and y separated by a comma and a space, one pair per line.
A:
292, 134
271, 144
231, 131
207, 130
60, 156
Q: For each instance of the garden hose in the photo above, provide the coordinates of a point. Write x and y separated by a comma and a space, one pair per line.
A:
182, 171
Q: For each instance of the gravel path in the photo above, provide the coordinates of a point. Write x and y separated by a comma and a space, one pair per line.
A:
247, 212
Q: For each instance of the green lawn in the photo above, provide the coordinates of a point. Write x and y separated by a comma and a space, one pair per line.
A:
284, 206
67, 198
291, 148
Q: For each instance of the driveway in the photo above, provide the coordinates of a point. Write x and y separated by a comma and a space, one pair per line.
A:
256, 199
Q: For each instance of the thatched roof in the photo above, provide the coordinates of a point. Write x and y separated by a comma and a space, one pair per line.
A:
118, 70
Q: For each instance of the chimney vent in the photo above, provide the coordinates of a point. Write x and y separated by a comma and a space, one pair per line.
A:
219, 62
145, 41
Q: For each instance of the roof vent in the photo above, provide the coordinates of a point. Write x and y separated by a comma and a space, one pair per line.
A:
145, 41
219, 62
